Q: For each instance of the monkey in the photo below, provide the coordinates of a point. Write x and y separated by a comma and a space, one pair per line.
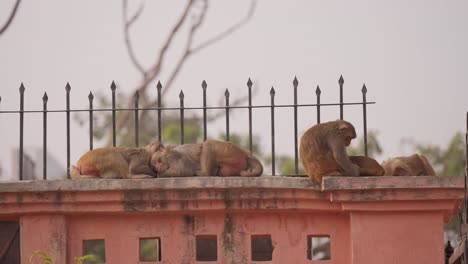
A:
367, 166
414, 165
115, 163
210, 158
323, 152
177, 160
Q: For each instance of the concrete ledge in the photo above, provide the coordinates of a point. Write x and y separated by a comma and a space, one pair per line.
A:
196, 194
389, 182
268, 182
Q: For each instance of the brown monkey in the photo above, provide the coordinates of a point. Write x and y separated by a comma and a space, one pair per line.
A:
367, 166
211, 158
323, 152
414, 165
177, 160
114, 163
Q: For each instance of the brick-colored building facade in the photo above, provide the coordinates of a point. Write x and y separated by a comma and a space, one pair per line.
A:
363, 220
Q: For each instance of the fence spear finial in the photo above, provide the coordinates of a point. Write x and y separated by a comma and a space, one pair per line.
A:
295, 82
45, 98
364, 89
136, 95
204, 85
249, 83
21, 89
90, 96
226, 93
67, 87
341, 80
159, 85
318, 91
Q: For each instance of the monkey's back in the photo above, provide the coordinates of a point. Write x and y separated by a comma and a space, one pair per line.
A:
315, 153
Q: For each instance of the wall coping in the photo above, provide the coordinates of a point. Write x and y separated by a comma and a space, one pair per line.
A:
220, 194
263, 182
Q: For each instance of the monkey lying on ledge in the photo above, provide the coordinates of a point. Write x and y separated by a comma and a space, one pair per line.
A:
414, 165
210, 158
114, 163
323, 152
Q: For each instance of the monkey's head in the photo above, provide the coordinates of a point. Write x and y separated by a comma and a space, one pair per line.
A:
154, 146
159, 161
346, 131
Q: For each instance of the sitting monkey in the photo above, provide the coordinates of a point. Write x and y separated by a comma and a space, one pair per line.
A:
116, 163
323, 152
414, 165
210, 158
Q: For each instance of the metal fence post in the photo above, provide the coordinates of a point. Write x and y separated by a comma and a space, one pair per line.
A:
45, 98
67, 89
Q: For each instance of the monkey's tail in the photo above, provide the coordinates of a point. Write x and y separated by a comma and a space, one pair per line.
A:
254, 168
75, 172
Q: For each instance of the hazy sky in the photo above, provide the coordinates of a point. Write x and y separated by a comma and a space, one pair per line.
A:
412, 56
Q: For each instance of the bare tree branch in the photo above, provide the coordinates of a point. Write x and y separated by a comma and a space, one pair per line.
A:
188, 48
191, 51
150, 75
127, 24
228, 31
10, 18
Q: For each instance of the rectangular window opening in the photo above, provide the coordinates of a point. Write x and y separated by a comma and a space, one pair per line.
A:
150, 249
207, 248
262, 248
96, 248
318, 247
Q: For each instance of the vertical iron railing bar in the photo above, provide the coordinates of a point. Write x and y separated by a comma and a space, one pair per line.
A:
113, 87
341, 81
90, 98
272, 94
317, 93
21, 113
205, 131
68, 88
226, 94
45, 98
296, 159
249, 85
466, 174
182, 132
364, 113
137, 131
159, 87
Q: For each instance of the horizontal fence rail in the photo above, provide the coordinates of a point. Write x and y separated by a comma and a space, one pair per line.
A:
160, 109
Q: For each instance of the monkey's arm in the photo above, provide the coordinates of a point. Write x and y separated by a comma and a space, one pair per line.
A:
140, 165
338, 150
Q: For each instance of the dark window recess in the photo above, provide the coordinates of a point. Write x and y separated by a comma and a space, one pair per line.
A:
207, 248
97, 248
9, 242
262, 248
150, 249
318, 247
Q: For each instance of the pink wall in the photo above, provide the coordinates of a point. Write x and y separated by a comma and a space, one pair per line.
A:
395, 220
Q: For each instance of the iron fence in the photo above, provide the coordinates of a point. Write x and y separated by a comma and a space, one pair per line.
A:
181, 108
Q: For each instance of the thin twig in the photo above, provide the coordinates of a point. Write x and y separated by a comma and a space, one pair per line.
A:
228, 31
128, 42
154, 71
10, 19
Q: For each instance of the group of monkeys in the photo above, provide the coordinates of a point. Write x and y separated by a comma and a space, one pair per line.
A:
322, 152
